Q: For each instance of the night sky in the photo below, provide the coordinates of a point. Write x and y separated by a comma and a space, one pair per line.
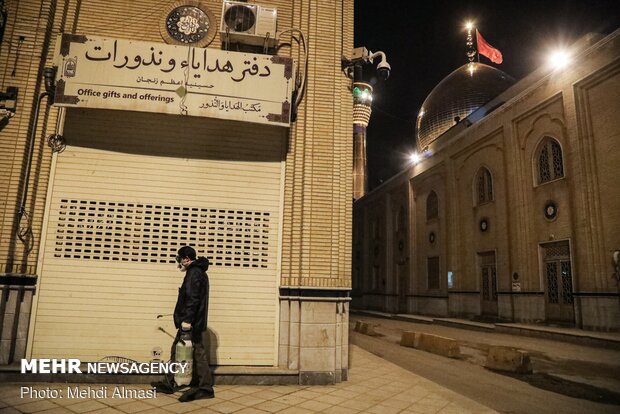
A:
425, 40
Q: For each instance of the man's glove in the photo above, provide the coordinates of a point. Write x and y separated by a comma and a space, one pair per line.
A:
186, 326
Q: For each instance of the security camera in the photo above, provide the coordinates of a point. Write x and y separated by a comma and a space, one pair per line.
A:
383, 67
361, 55
383, 70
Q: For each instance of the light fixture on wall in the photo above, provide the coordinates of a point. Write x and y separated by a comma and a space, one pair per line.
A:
559, 59
415, 158
49, 80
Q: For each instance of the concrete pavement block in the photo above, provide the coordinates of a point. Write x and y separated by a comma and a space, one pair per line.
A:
408, 339
358, 326
505, 358
370, 330
367, 329
439, 345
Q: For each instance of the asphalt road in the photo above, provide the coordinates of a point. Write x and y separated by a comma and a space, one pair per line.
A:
576, 370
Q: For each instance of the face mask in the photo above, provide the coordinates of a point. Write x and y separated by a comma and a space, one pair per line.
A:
180, 266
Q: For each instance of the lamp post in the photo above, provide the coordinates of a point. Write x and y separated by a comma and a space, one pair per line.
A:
356, 69
362, 100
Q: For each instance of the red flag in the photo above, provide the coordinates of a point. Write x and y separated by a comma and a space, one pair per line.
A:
487, 50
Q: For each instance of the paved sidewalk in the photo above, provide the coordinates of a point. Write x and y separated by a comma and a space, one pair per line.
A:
374, 386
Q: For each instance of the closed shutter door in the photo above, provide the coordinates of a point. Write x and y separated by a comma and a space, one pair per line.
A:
128, 191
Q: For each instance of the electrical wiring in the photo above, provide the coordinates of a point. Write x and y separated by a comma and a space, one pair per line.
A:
301, 86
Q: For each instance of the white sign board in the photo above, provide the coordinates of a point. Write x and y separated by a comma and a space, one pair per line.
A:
129, 75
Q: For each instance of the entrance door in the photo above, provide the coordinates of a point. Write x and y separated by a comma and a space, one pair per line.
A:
557, 274
488, 273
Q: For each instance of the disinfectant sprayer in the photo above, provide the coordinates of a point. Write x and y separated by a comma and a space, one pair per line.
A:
184, 355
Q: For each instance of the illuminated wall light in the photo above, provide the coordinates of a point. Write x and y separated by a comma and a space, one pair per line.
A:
559, 59
414, 158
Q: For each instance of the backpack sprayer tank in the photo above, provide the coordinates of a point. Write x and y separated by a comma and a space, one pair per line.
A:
184, 355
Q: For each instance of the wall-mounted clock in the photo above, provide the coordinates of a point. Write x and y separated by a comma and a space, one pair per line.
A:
188, 22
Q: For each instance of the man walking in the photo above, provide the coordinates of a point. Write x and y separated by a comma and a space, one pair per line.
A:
190, 315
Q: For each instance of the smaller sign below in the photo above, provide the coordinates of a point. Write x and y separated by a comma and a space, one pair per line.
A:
153, 77
516, 286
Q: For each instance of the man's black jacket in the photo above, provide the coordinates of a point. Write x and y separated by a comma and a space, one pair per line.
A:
193, 301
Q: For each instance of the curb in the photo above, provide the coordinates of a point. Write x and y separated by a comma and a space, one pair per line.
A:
579, 338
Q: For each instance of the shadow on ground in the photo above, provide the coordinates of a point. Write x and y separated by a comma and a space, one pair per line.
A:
566, 387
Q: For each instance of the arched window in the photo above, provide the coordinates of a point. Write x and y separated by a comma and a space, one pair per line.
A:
484, 185
432, 206
549, 161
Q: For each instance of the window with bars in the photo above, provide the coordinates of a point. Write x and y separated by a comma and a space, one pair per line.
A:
432, 206
433, 272
152, 233
484, 183
549, 161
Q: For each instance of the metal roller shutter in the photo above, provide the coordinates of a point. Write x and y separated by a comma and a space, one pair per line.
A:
128, 190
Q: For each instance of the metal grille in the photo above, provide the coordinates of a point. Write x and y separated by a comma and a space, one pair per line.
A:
558, 168
481, 191
559, 250
487, 259
552, 285
433, 272
567, 282
544, 173
485, 283
550, 167
432, 206
240, 18
151, 233
485, 186
489, 186
489, 276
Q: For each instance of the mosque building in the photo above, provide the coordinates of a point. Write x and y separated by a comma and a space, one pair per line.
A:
512, 211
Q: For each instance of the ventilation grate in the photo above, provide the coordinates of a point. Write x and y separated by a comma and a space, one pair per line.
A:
150, 233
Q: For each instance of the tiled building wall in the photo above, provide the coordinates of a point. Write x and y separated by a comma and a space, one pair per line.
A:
317, 229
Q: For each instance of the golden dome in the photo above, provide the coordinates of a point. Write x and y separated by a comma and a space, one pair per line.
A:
456, 96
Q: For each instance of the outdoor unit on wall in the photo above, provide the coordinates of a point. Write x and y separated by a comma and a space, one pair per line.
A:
247, 23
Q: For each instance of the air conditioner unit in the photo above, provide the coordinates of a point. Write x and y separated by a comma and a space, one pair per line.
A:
247, 23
